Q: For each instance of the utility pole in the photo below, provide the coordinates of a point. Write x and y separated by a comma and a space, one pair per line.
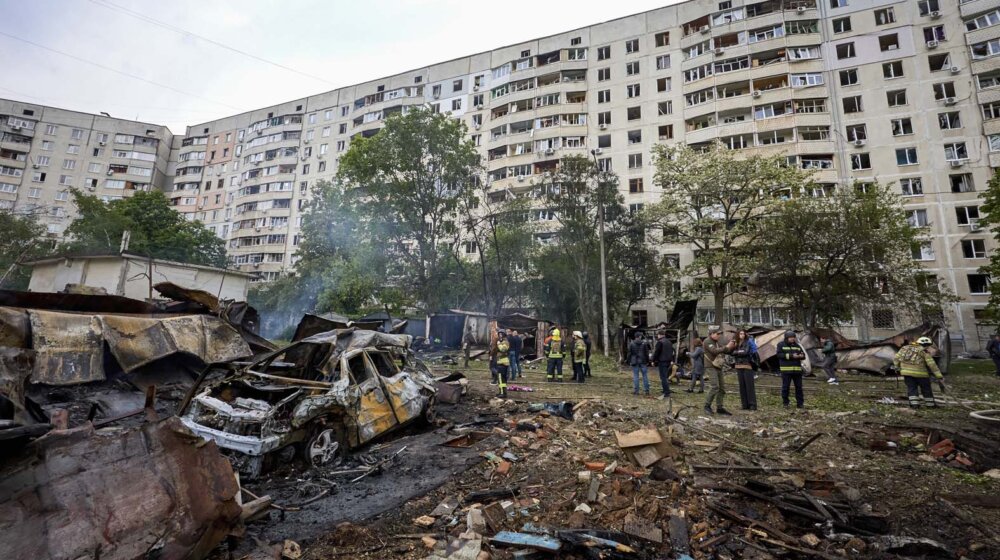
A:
604, 273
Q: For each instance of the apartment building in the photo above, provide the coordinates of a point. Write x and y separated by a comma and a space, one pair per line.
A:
902, 91
45, 152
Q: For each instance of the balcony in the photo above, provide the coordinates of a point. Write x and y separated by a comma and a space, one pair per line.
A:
969, 9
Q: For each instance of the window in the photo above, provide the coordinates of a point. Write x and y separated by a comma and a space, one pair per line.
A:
911, 186
888, 42
901, 127
632, 90
635, 161
986, 49
988, 80
922, 251
604, 118
666, 131
456, 86
69, 164
635, 185
991, 110
896, 98
665, 108
47, 145
326, 132
944, 90
885, 16
857, 132
842, 25
51, 129
62, 195
42, 161
988, 19
974, 248
849, 77
838, 4
967, 215
73, 149
928, 7
935, 33
892, 69
312, 119
956, 151
663, 62
604, 96
961, 183
575, 41
853, 104
603, 74
38, 177
906, 156
76, 134
603, 53
803, 80
305, 169
662, 39
341, 145
917, 218
633, 113
632, 46
939, 62
949, 121
845, 50
861, 161
663, 84
456, 104
66, 180
634, 137
979, 283
34, 192
632, 68
883, 319
994, 140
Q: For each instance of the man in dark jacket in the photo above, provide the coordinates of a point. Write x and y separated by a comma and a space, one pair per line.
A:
830, 360
516, 345
586, 364
993, 349
638, 358
790, 356
663, 356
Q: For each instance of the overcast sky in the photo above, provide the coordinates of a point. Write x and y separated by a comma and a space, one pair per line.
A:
340, 42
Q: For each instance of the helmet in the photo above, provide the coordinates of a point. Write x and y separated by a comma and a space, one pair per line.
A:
789, 334
501, 333
578, 334
555, 332
585, 334
924, 341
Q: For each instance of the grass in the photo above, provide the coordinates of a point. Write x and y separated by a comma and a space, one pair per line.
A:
971, 366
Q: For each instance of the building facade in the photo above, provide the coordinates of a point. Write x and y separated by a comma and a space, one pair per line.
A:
900, 91
45, 152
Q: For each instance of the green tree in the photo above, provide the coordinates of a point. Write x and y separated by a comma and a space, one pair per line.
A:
989, 213
833, 256
23, 239
713, 201
405, 183
155, 229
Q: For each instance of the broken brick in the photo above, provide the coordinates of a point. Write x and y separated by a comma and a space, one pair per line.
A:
942, 448
595, 466
503, 468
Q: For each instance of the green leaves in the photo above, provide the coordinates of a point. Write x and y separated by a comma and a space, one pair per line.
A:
23, 240
155, 229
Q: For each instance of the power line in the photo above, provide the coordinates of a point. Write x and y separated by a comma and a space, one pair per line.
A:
58, 100
185, 32
116, 71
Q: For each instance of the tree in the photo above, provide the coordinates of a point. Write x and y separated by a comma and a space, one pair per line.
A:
23, 239
989, 216
714, 200
155, 229
830, 257
406, 183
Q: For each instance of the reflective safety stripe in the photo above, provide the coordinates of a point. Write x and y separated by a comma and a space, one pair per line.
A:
791, 368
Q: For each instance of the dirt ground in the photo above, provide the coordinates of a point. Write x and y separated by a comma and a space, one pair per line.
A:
731, 481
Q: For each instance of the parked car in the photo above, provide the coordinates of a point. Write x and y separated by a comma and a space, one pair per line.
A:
318, 397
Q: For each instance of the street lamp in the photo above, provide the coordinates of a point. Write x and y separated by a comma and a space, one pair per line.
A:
604, 274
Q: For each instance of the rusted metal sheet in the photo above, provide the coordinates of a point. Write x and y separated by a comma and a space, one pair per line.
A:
152, 492
69, 347
180, 293
138, 341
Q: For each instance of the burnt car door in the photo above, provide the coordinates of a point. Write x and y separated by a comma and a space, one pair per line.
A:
374, 414
407, 397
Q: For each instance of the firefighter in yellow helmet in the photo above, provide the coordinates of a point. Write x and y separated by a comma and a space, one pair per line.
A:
915, 363
555, 353
578, 355
503, 362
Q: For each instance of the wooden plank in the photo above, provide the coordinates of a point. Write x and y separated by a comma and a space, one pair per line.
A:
646, 456
679, 539
642, 528
638, 438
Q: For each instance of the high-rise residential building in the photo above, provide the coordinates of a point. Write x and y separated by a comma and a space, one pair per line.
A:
45, 152
905, 92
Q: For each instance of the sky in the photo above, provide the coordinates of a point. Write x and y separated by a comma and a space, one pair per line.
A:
141, 59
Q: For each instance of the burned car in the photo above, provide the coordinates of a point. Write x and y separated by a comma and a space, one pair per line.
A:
318, 397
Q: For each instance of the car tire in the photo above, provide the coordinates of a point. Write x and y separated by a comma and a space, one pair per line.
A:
323, 448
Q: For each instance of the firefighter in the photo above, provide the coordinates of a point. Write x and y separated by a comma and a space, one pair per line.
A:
579, 357
554, 353
790, 356
915, 364
503, 362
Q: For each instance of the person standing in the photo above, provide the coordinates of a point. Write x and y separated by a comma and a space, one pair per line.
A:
697, 367
503, 362
578, 355
638, 358
663, 357
830, 360
915, 363
586, 341
993, 349
467, 341
516, 345
744, 357
790, 356
554, 353
714, 362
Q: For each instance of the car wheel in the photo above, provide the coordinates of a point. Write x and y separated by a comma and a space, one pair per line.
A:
323, 449
430, 413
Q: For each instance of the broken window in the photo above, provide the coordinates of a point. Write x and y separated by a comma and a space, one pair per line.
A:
383, 364
888, 42
967, 215
979, 283
884, 16
949, 121
892, 69
961, 183
861, 161
938, 62
842, 25
974, 248
635, 185
852, 104
911, 186
944, 91
356, 365
906, 156
902, 127
845, 50
917, 218
922, 251
956, 151
857, 132
849, 77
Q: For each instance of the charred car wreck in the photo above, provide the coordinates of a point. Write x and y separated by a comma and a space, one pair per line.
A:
318, 397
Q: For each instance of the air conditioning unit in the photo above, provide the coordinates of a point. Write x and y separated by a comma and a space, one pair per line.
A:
475, 88
549, 151
320, 156
565, 78
950, 100
974, 226
34, 166
957, 162
935, 15
705, 29
15, 128
932, 44
103, 143
802, 9
480, 107
110, 173
520, 178
598, 151
306, 141
602, 126
859, 142
757, 93
304, 158
257, 228
720, 51
256, 265
259, 132
778, 322
955, 69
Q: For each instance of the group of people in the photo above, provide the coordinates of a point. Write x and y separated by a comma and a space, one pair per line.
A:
505, 357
